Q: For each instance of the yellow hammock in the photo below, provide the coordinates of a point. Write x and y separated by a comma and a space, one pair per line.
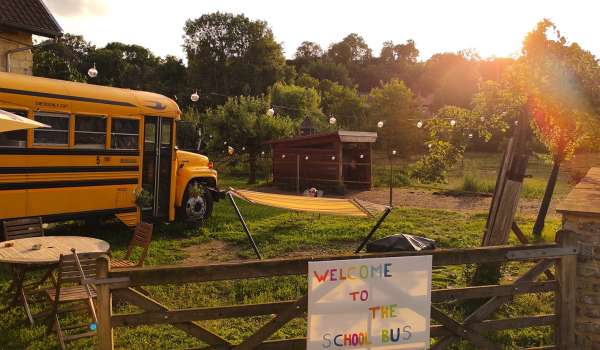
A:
332, 206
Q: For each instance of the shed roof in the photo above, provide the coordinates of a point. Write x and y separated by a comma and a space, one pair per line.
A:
339, 136
31, 16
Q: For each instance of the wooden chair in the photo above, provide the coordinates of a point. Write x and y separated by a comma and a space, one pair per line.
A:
142, 235
72, 286
22, 228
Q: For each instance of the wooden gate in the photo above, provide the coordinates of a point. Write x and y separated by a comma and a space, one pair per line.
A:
125, 284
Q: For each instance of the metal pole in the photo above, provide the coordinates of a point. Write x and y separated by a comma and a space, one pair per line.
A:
364, 242
297, 174
391, 180
237, 211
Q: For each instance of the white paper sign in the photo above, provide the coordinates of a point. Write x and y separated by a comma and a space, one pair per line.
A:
369, 303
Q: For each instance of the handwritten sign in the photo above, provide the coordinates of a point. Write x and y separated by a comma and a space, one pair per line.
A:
368, 303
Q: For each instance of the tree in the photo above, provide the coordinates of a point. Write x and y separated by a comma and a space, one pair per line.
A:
405, 53
296, 102
232, 55
243, 122
65, 59
309, 50
560, 81
351, 49
344, 103
395, 105
327, 70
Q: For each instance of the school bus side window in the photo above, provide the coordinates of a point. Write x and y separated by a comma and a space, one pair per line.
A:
124, 133
90, 131
14, 138
57, 134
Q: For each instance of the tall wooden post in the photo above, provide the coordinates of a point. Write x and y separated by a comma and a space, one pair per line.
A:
104, 327
298, 173
565, 300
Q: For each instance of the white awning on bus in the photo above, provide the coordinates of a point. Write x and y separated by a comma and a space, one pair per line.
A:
11, 122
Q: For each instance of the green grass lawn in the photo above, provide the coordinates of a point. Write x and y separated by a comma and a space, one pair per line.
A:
280, 233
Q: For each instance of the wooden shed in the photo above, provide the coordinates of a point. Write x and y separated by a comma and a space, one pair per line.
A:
342, 159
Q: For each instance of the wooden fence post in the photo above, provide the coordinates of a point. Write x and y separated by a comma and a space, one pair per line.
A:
104, 326
565, 301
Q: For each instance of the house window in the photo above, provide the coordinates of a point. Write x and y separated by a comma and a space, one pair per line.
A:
57, 134
124, 133
90, 132
14, 138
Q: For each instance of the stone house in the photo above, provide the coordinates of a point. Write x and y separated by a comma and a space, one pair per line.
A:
20, 20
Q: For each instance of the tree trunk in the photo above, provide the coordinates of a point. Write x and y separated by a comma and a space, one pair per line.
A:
541, 218
252, 175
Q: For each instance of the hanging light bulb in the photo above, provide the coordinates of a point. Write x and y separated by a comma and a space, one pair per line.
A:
262, 153
243, 148
225, 143
394, 152
362, 156
482, 118
332, 120
380, 124
430, 145
452, 122
332, 157
283, 156
270, 112
470, 135
230, 150
305, 157
93, 72
516, 122
195, 97
419, 124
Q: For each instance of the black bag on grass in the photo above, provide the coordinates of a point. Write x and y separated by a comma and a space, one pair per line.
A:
400, 242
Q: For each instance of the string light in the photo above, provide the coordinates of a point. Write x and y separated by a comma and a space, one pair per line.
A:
262, 153
470, 135
429, 145
332, 157
230, 150
305, 157
271, 112
225, 143
394, 152
362, 156
332, 120
419, 124
482, 118
243, 148
380, 124
283, 156
93, 72
195, 97
452, 122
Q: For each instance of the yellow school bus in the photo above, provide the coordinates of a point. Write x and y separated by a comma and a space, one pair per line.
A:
104, 145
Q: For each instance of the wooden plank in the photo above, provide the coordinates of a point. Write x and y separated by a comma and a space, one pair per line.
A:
442, 295
523, 239
461, 331
272, 326
190, 328
495, 303
104, 300
198, 314
176, 274
565, 302
498, 325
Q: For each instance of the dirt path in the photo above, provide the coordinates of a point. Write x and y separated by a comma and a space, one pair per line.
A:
416, 198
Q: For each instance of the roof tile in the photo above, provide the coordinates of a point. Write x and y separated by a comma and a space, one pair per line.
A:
29, 15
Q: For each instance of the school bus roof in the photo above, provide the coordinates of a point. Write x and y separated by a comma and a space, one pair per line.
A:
35, 93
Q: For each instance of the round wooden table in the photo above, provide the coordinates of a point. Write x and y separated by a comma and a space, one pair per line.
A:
52, 247
19, 253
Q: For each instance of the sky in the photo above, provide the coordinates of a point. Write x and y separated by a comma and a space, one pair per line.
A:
492, 28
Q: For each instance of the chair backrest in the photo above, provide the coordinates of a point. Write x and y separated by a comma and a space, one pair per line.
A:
142, 236
22, 228
74, 268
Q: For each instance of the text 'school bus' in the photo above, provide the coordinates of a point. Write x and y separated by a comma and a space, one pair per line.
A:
104, 145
